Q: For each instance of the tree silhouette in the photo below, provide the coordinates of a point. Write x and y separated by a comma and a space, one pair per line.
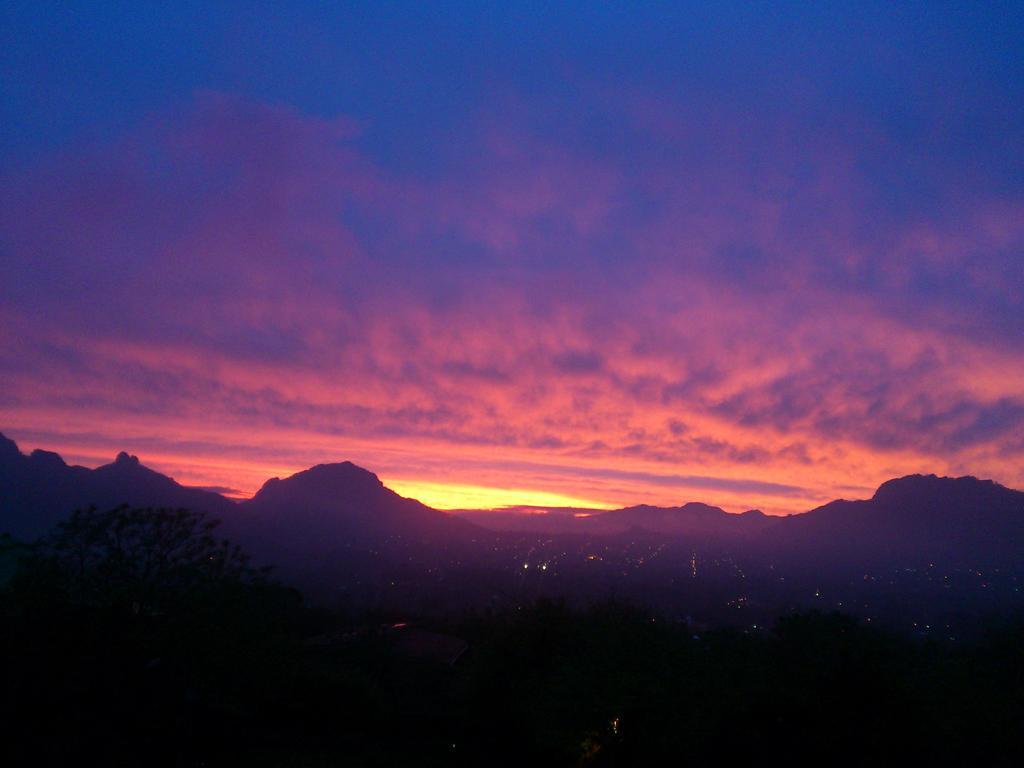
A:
138, 631
144, 560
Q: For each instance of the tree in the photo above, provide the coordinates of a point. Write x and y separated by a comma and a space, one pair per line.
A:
137, 631
144, 560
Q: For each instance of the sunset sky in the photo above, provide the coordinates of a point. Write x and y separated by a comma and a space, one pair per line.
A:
758, 255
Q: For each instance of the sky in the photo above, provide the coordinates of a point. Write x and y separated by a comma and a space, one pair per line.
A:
594, 254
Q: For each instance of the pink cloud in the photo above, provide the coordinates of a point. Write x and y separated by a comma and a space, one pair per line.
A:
241, 291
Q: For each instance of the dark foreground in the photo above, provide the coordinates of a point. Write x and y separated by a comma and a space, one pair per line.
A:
136, 638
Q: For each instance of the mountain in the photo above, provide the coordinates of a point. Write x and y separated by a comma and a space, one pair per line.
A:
914, 519
331, 507
38, 490
329, 520
339, 513
692, 519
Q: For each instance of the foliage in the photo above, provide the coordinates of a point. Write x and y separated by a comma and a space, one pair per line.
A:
132, 631
142, 559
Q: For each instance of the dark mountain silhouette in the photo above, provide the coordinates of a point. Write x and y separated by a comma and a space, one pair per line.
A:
918, 518
693, 519
330, 520
331, 507
38, 490
334, 511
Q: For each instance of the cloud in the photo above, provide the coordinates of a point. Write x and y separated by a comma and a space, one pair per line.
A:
710, 305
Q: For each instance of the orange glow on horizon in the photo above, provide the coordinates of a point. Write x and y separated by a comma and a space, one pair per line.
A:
450, 496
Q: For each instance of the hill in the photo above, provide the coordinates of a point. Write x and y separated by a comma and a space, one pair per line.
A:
329, 508
913, 519
335, 515
38, 490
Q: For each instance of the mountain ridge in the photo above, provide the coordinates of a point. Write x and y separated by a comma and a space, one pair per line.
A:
330, 506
